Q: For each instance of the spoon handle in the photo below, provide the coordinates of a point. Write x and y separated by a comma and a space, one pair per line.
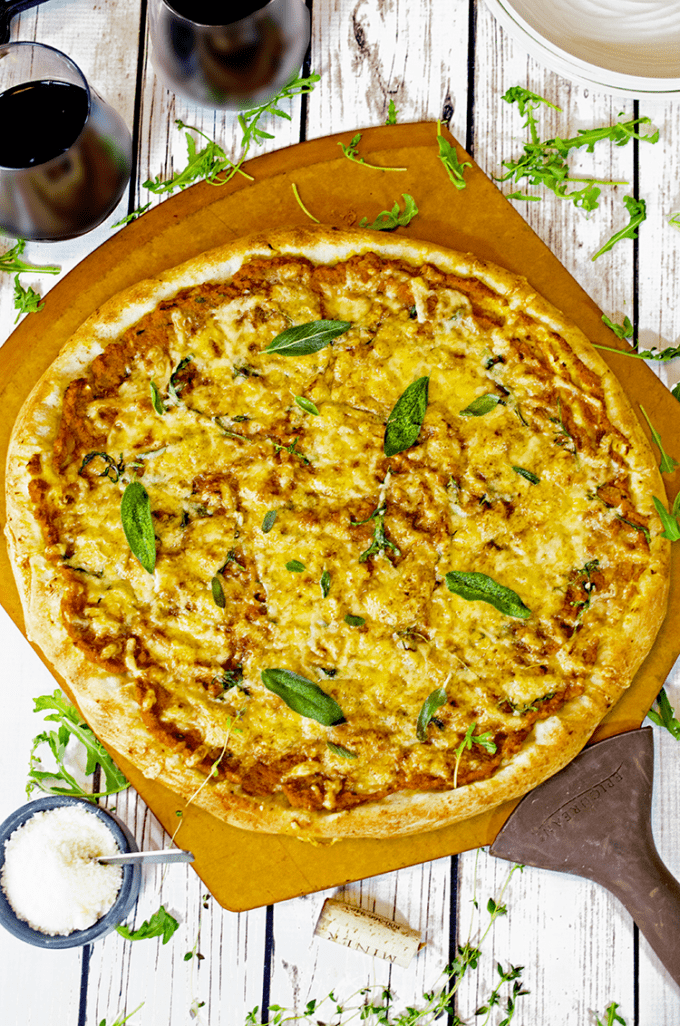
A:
146, 857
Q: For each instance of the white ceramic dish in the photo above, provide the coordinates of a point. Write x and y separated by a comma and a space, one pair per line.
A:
628, 47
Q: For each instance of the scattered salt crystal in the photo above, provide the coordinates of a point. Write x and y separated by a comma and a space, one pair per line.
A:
50, 877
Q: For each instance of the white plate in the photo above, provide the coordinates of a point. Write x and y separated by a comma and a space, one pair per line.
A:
631, 47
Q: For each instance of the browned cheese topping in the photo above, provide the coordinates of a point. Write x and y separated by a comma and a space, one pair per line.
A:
531, 488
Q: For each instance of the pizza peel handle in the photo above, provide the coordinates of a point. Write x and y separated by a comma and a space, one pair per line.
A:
593, 819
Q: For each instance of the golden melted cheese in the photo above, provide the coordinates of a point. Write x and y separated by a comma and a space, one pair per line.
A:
232, 444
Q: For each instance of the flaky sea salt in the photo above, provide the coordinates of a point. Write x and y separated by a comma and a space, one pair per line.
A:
50, 877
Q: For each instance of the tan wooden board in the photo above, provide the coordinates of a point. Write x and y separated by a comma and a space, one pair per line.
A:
337, 191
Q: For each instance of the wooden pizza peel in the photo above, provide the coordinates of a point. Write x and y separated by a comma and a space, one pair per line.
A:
337, 191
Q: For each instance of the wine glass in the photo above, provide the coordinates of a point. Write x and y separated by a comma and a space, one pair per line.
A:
234, 56
65, 154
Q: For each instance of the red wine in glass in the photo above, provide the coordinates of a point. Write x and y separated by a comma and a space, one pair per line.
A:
231, 55
65, 154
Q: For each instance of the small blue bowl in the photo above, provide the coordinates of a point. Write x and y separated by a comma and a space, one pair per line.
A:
122, 906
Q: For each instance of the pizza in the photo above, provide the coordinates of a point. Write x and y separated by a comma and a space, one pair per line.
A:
337, 533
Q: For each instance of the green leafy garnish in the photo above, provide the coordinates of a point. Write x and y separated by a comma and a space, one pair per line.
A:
303, 339
11, 261
307, 405
434, 701
135, 515
301, 205
292, 449
485, 741
71, 725
341, 751
121, 1019
303, 696
482, 405
218, 592
670, 521
388, 220
664, 715
26, 300
637, 210
295, 566
667, 464
588, 586
268, 521
612, 1016
325, 583
391, 113
478, 587
449, 158
207, 163
351, 151
161, 924
528, 474
156, 400
406, 419
112, 468
621, 331
380, 540
354, 621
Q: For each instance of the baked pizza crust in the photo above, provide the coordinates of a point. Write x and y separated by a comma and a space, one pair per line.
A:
107, 701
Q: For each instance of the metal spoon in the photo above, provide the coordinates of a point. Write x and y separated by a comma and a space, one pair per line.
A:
137, 858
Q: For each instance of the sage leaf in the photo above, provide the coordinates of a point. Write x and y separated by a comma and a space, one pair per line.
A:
268, 522
406, 419
433, 701
156, 400
477, 587
340, 750
354, 621
481, 405
325, 583
307, 405
303, 339
135, 515
218, 592
528, 474
303, 696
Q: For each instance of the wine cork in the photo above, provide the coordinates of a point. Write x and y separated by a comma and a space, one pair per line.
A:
368, 932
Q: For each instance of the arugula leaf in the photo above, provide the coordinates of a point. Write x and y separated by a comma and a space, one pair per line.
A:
391, 113
303, 208
388, 220
621, 331
26, 300
484, 740
449, 158
351, 151
406, 419
667, 464
160, 924
669, 353
121, 1019
671, 526
675, 391
478, 587
71, 725
612, 1016
434, 701
637, 210
303, 339
481, 405
11, 261
135, 515
665, 716
303, 696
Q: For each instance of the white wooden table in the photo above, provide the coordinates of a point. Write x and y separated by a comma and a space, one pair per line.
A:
580, 951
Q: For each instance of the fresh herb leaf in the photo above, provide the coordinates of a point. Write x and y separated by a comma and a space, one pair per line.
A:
208, 163
612, 1016
528, 474
341, 751
268, 521
11, 261
434, 701
176, 384
249, 120
112, 468
669, 353
388, 220
325, 583
160, 924
129, 218
303, 696
26, 300
391, 113
588, 586
71, 725
307, 405
303, 339
218, 592
481, 405
478, 587
671, 526
156, 400
292, 449
621, 331
295, 566
675, 391
664, 715
667, 464
351, 151
135, 515
380, 540
637, 210
121, 1019
303, 208
449, 158
354, 621
406, 419
485, 741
